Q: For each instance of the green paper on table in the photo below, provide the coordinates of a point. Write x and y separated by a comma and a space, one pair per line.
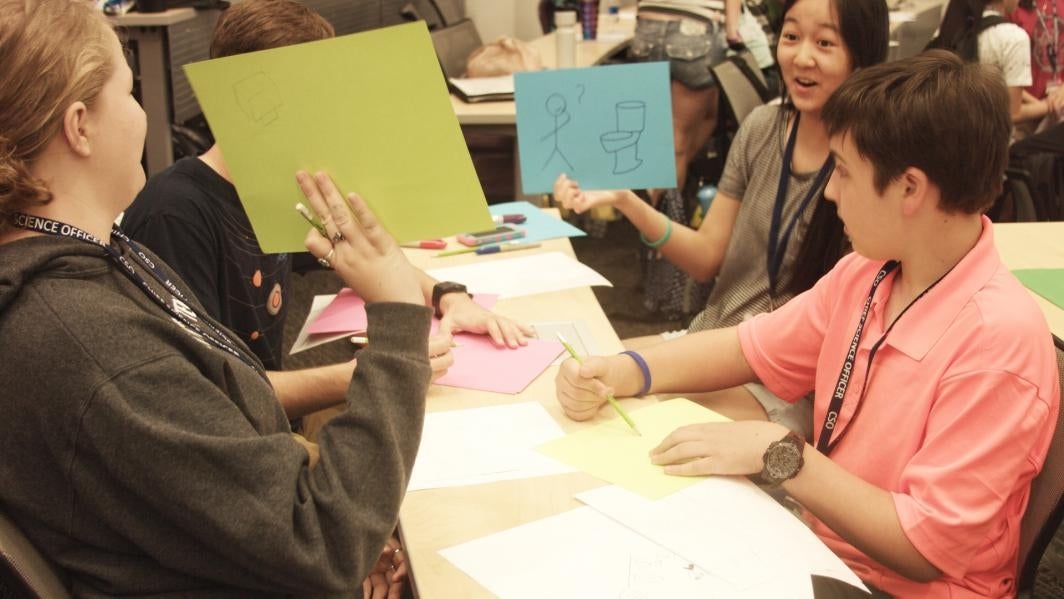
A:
1046, 282
371, 109
611, 452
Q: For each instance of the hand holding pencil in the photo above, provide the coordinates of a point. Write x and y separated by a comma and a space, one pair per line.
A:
584, 384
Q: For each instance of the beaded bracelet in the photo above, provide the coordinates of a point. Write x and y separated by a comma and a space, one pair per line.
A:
642, 364
660, 242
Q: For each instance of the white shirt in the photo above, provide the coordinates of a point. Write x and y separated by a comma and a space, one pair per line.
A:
1008, 48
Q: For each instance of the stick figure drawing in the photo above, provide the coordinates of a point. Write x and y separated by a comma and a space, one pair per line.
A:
557, 108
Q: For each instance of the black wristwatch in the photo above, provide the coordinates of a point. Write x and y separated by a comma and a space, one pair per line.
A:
783, 460
443, 288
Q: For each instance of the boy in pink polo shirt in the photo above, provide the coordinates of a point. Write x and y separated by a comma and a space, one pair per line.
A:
934, 372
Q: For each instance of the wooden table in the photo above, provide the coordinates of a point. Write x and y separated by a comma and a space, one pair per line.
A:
435, 519
1034, 245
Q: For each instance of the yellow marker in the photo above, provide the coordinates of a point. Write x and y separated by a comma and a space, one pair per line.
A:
609, 397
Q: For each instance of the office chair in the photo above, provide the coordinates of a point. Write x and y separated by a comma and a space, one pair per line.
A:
1045, 508
454, 44
452, 12
24, 572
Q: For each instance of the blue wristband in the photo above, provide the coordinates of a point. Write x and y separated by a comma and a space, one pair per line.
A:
642, 364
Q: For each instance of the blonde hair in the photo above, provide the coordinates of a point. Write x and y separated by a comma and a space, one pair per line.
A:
54, 53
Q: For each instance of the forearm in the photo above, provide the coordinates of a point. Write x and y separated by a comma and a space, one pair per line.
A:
427, 283
705, 361
1030, 111
833, 495
688, 249
731, 18
304, 391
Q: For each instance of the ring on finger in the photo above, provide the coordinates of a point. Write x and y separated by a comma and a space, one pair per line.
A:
337, 237
326, 260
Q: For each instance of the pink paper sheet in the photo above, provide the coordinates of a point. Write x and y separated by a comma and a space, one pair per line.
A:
479, 364
347, 313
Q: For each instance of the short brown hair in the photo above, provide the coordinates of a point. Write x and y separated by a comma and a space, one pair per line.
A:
254, 25
54, 53
933, 112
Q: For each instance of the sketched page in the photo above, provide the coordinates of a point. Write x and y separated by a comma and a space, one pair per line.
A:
582, 554
729, 527
481, 445
527, 275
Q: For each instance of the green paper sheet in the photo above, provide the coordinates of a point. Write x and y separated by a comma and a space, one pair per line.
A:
371, 109
612, 452
1046, 282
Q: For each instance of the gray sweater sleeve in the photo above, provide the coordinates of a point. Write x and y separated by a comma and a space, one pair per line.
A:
188, 479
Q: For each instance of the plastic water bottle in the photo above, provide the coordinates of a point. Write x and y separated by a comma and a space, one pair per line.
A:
565, 38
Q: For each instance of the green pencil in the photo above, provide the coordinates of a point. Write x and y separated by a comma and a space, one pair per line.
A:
609, 398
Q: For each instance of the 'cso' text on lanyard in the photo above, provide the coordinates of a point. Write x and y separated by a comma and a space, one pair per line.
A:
777, 239
824, 442
186, 314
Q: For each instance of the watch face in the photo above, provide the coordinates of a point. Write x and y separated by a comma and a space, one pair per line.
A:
782, 461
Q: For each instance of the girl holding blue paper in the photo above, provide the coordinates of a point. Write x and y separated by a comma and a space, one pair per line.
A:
767, 235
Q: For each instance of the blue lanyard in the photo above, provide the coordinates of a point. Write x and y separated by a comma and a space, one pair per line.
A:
777, 242
210, 333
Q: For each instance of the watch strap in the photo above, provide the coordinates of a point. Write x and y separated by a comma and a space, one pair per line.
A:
443, 288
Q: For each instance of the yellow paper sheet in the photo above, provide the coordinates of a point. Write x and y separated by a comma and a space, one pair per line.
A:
372, 109
613, 452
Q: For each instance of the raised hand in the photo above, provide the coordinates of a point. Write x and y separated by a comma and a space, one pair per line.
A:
365, 256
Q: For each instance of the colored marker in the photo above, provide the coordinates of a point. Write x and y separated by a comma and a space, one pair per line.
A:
609, 397
426, 244
505, 247
514, 219
509, 246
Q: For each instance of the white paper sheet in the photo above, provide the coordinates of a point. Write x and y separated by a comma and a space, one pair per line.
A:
526, 275
730, 528
304, 340
576, 332
481, 445
581, 554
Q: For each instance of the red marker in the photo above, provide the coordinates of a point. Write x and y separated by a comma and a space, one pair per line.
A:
428, 244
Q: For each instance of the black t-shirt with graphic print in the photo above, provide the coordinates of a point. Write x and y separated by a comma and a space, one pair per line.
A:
192, 218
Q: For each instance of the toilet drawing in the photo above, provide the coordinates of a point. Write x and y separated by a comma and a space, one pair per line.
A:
624, 142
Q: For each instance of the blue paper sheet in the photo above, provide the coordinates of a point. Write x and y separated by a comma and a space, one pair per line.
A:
608, 127
539, 226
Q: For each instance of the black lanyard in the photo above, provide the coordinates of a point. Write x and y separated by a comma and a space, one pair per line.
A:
777, 241
183, 311
824, 443
1052, 38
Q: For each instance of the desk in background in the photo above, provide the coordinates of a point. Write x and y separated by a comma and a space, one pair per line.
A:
1034, 245
150, 31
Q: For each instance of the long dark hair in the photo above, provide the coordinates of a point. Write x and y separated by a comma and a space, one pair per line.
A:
959, 31
864, 26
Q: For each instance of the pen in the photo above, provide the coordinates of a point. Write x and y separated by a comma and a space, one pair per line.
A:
426, 244
515, 219
509, 246
609, 398
302, 210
